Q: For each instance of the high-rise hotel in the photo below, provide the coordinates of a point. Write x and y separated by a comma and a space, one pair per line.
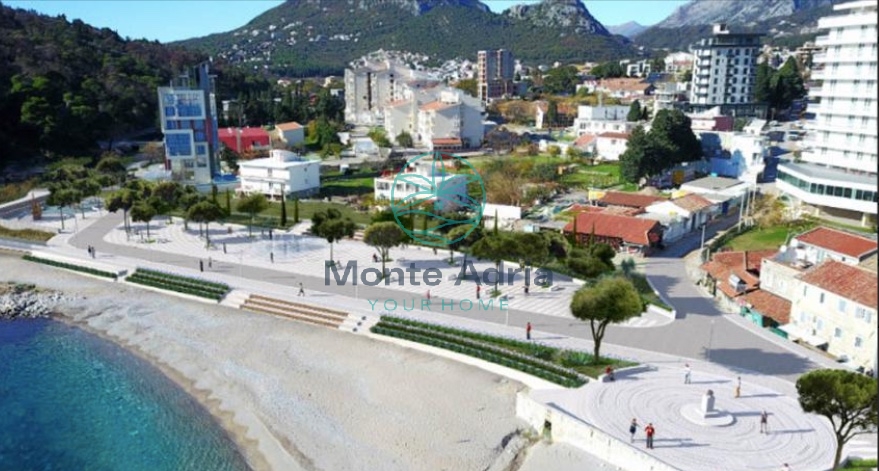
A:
836, 175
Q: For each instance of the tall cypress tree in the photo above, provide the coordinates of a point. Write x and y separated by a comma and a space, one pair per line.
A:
295, 210
283, 210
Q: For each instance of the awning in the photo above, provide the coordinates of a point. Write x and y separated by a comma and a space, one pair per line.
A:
814, 341
795, 333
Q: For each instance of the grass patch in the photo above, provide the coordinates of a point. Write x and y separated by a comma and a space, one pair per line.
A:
356, 184
70, 266
13, 191
179, 284
646, 291
271, 217
604, 175
564, 367
26, 234
861, 465
759, 239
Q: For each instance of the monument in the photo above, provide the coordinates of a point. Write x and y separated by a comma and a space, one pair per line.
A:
706, 413
708, 404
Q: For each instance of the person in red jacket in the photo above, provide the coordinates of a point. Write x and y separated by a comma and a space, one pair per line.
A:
528, 331
649, 431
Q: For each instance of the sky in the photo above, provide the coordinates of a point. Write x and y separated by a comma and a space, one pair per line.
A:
168, 21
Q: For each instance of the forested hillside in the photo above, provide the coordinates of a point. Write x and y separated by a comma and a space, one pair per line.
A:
66, 85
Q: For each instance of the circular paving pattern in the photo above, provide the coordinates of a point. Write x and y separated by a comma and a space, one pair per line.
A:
658, 396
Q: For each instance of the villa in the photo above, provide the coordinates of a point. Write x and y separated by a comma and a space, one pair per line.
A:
282, 174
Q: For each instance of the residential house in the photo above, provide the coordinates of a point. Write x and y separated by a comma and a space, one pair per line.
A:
623, 233
282, 174
669, 96
628, 200
610, 145
739, 155
245, 139
681, 216
624, 88
637, 69
728, 276
677, 62
423, 180
565, 116
727, 192
599, 119
823, 243
711, 120
586, 143
835, 310
452, 122
291, 133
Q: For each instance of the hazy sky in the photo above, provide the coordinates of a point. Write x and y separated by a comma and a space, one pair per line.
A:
175, 20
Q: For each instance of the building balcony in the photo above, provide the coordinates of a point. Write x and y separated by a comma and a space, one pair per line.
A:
843, 21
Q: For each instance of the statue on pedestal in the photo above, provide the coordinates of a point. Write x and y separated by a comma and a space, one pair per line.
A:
708, 403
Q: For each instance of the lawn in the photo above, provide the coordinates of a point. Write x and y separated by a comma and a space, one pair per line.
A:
760, 239
356, 184
601, 176
307, 209
13, 191
861, 465
26, 234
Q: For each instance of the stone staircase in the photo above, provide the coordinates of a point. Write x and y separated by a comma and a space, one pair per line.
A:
235, 298
309, 313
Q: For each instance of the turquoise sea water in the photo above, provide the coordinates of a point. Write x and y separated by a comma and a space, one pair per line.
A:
70, 400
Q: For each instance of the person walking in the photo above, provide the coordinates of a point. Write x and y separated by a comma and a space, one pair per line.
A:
224, 247
201, 265
528, 331
210, 262
764, 422
738, 386
526, 289
687, 373
301, 290
272, 257
427, 295
632, 429
478, 291
608, 372
649, 431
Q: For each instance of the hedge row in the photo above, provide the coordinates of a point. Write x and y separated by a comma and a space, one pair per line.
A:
482, 354
180, 284
70, 266
183, 279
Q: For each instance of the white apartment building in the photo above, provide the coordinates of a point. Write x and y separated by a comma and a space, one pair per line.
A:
724, 71
429, 177
601, 119
370, 87
677, 62
837, 172
452, 121
736, 154
495, 72
282, 173
636, 69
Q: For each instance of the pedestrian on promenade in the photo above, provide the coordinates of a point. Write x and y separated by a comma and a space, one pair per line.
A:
224, 247
632, 429
427, 295
528, 331
375, 258
526, 289
210, 262
649, 431
786, 467
201, 265
94, 252
434, 250
89, 250
764, 422
608, 372
272, 257
738, 386
301, 290
478, 291
687, 373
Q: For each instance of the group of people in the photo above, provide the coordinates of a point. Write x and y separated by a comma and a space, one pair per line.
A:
649, 431
91, 251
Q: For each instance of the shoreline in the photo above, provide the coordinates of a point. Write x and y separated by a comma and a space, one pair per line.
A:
381, 416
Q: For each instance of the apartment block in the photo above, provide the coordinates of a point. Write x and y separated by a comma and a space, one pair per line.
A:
495, 72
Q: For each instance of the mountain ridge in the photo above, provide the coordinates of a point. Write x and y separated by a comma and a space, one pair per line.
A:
628, 29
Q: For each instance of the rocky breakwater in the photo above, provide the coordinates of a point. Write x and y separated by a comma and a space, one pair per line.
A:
19, 300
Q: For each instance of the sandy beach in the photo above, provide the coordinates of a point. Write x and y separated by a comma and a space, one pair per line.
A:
297, 397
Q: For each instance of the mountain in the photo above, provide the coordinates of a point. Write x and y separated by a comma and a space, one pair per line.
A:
629, 30
319, 37
66, 85
785, 22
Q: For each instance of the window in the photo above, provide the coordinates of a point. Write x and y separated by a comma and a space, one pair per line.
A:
819, 323
837, 332
840, 306
858, 342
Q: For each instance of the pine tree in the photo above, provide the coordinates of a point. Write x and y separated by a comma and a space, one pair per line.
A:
283, 210
295, 210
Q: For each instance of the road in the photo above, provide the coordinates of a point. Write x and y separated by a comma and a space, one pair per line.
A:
701, 331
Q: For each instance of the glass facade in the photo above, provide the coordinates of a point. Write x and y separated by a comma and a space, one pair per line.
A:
178, 144
828, 190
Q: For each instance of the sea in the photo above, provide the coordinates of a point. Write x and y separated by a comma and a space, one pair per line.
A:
70, 400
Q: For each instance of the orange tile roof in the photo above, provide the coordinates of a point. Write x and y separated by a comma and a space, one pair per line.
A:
435, 105
447, 141
632, 200
692, 203
584, 140
745, 265
396, 103
850, 282
839, 242
288, 126
770, 305
615, 135
629, 229
624, 84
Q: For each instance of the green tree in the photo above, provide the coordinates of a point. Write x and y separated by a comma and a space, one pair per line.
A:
627, 266
384, 236
252, 204
165, 197
228, 207
295, 210
283, 209
787, 85
469, 86
496, 247
404, 139
673, 129
122, 199
205, 212
552, 114
89, 187
230, 157
611, 69
532, 248
462, 240
561, 80
610, 301
847, 399
763, 83
554, 150
63, 196
573, 152
332, 226
143, 212
634, 112
113, 167
633, 161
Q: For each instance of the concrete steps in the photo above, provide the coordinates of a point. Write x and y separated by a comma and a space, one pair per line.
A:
235, 298
308, 313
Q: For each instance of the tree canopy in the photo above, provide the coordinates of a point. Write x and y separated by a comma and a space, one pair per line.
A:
332, 226
384, 236
252, 205
561, 80
610, 301
670, 141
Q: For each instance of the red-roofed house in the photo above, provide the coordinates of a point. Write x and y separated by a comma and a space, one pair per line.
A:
244, 139
734, 273
629, 200
586, 143
681, 216
620, 232
824, 243
291, 133
609, 145
835, 309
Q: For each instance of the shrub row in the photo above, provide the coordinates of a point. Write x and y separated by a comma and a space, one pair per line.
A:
492, 356
180, 284
184, 280
70, 266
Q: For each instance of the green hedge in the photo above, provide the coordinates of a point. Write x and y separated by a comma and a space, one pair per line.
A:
179, 284
530, 358
70, 266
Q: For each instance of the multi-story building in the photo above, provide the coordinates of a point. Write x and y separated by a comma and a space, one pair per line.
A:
739, 155
678, 62
668, 96
368, 88
423, 179
282, 174
600, 119
724, 72
837, 172
245, 139
495, 72
452, 121
188, 117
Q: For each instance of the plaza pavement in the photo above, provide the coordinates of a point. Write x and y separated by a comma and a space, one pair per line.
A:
276, 282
